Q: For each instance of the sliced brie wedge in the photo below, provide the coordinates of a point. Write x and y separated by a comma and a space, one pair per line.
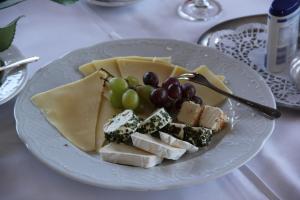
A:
156, 146
174, 142
128, 155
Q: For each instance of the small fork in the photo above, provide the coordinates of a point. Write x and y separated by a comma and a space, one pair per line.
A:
200, 79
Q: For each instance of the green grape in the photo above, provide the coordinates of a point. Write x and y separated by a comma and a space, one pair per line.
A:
118, 85
144, 92
132, 81
130, 99
141, 107
115, 99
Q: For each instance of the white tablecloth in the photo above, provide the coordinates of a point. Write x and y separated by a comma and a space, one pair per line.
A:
50, 30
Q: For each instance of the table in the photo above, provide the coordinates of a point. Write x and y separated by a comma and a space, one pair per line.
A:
50, 30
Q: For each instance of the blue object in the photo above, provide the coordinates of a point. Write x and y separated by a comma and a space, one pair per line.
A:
281, 8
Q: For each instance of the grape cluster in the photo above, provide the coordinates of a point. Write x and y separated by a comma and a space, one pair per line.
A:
129, 94
121, 96
171, 94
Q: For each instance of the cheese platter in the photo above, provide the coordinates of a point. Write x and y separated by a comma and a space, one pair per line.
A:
115, 110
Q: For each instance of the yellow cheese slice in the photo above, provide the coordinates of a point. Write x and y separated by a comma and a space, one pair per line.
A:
87, 69
152, 59
105, 93
106, 112
111, 65
73, 109
209, 96
221, 77
138, 68
178, 70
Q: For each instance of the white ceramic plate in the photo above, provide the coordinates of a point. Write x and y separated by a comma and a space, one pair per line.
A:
14, 80
229, 149
112, 3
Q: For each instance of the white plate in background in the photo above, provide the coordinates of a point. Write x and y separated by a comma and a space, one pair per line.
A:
112, 3
14, 80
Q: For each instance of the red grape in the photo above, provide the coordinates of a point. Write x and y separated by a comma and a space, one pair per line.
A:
159, 97
178, 104
174, 91
188, 91
169, 103
169, 81
150, 78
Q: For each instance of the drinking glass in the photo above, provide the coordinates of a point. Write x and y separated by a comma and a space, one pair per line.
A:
199, 10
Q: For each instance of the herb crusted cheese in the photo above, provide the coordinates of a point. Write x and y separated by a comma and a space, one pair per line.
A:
155, 122
197, 136
119, 128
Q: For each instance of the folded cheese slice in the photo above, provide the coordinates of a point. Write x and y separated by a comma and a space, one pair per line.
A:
208, 96
178, 70
214, 98
73, 109
106, 112
111, 64
138, 68
87, 69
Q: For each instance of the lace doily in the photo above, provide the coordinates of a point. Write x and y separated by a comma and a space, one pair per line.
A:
248, 44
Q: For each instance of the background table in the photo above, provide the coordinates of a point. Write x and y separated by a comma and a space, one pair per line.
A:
50, 30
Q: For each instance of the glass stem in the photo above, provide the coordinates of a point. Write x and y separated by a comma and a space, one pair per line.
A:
201, 3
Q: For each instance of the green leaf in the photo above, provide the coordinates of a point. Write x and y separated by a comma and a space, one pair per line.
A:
8, 3
65, 2
7, 34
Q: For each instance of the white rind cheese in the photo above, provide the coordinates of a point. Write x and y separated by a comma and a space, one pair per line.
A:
155, 122
174, 142
128, 155
213, 118
119, 128
156, 146
189, 113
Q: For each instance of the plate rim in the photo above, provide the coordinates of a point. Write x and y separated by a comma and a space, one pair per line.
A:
182, 183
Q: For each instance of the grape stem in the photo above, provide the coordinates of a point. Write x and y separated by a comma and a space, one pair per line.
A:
108, 73
112, 76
